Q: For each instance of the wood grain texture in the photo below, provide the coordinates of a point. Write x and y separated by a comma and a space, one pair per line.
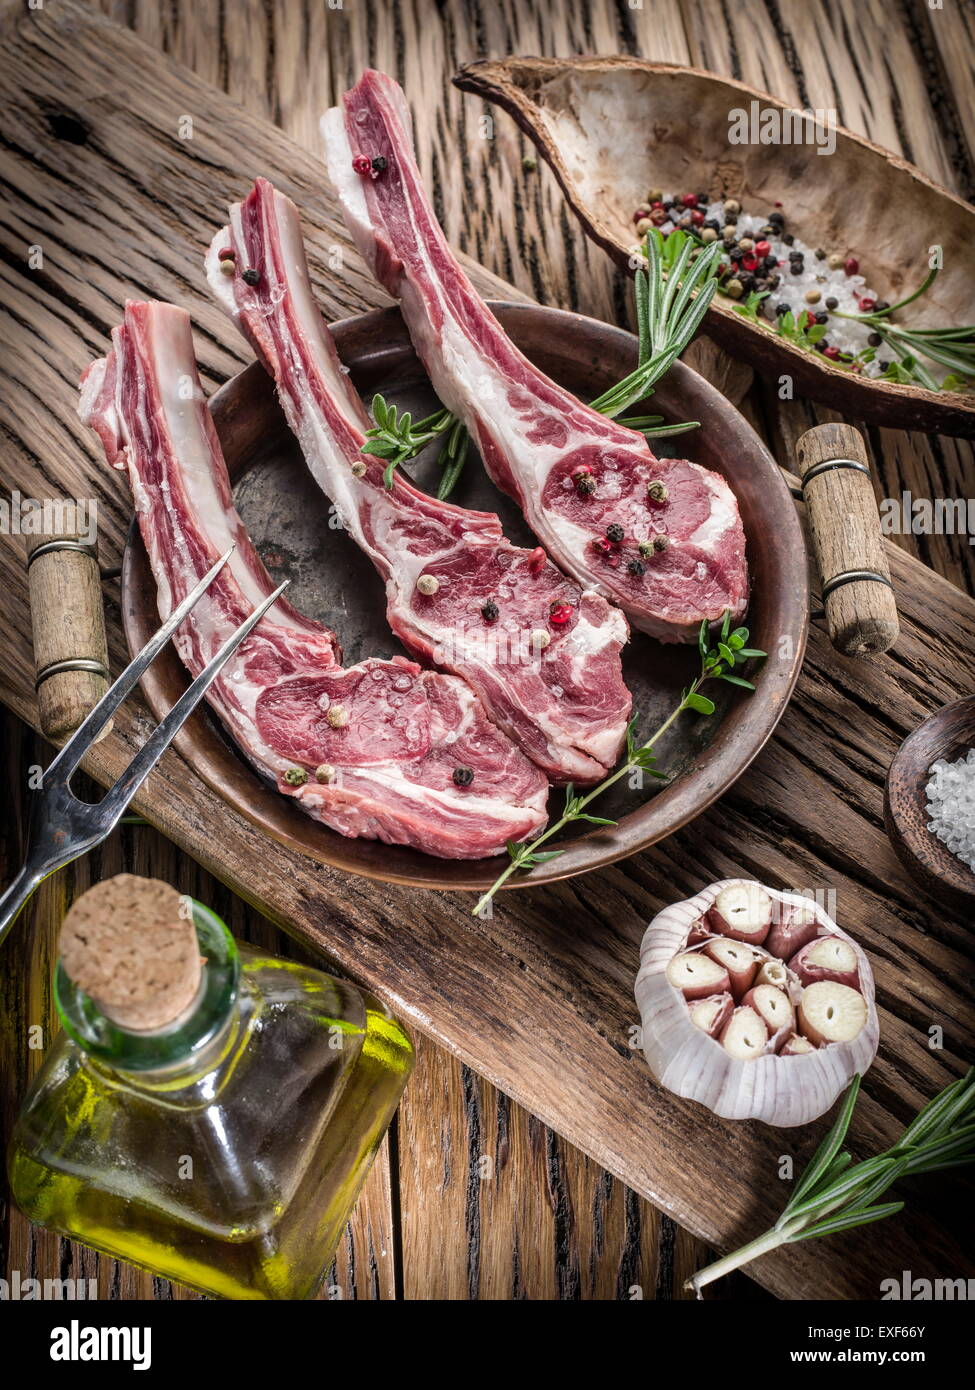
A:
792, 821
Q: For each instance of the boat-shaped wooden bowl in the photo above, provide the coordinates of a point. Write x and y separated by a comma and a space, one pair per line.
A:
294, 529
948, 734
611, 128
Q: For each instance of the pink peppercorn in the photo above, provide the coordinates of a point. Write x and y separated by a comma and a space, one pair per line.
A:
749, 262
227, 253
689, 200
762, 248
851, 265
866, 304
362, 164
536, 560
560, 614
602, 545
697, 217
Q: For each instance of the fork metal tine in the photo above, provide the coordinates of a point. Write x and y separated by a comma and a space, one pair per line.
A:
112, 805
80, 741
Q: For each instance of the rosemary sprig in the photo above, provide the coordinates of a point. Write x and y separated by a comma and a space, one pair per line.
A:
835, 1194
953, 348
718, 662
672, 296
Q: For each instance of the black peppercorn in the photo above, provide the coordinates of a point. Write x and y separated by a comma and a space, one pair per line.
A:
832, 302
874, 339
788, 238
251, 276
636, 567
379, 164
820, 254
463, 776
781, 309
490, 611
880, 305
747, 281
822, 318
585, 483
615, 532
770, 262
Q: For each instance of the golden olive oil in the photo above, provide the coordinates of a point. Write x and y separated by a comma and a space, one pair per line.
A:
226, 1154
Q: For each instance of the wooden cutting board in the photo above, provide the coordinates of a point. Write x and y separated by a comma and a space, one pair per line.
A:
119, 166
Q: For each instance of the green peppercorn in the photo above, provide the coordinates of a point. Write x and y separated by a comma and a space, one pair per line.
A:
296, 776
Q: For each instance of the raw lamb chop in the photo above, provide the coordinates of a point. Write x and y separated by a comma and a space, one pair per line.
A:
382, 750
661, 538
543, 657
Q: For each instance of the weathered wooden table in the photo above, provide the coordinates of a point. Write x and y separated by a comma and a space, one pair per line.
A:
475, 1197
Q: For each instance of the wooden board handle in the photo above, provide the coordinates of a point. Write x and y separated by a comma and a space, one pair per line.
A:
68, 622
861, 611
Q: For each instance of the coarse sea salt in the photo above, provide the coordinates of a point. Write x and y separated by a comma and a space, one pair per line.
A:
951, 805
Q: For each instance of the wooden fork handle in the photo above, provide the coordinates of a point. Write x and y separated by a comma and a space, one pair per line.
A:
68, 622
858, 596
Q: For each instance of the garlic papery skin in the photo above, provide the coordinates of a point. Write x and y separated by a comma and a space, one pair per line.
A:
792, 927
780, 1088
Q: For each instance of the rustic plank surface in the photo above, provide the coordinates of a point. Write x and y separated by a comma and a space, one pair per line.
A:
513, 220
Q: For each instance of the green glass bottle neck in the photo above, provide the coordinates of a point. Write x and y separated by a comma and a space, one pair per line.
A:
183, 1044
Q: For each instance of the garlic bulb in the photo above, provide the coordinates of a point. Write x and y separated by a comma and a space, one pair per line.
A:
719, 1034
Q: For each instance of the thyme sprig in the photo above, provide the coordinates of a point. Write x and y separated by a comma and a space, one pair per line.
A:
953, 348
396, 438
719, 661
672, 296
835, 1194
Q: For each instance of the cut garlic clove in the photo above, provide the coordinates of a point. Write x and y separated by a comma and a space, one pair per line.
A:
742, 911
737, 958
696, 975
831, 1013
827, 958
772, 972
789, 1087
745, 1035
711, 1015
773, 1007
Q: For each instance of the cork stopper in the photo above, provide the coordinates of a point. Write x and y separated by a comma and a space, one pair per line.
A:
130, 944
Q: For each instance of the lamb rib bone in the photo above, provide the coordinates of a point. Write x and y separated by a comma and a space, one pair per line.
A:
369, 750
552, 681
536, 439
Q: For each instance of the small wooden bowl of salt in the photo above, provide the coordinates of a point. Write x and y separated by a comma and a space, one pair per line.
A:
929, 802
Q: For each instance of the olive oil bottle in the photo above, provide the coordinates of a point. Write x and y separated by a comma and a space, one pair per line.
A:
226, 1149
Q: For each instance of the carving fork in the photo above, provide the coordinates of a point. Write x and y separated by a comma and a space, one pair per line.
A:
61, 827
